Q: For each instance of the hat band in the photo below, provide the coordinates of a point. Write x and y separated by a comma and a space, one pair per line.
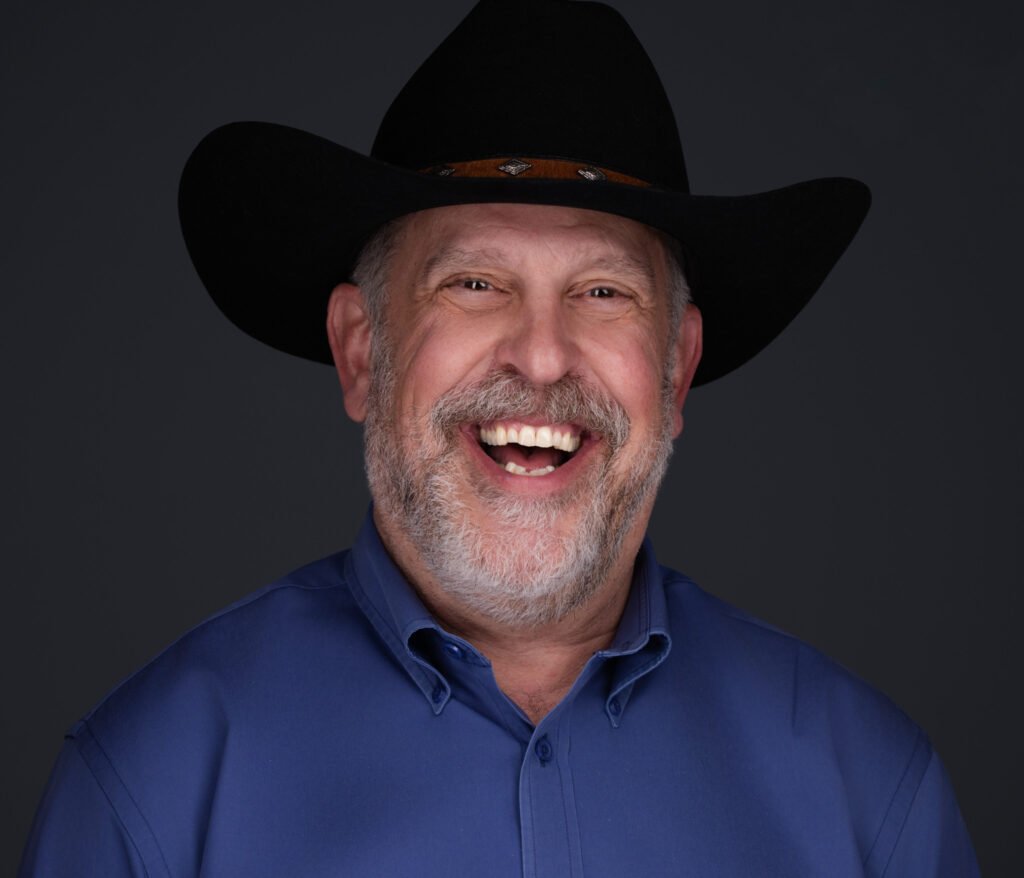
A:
536, 169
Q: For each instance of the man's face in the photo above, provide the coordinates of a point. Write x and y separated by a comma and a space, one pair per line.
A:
524, 395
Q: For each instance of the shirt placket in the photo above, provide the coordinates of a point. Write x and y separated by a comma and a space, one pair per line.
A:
549, 827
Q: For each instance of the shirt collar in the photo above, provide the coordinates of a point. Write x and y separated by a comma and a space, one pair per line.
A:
394, 609
641, 642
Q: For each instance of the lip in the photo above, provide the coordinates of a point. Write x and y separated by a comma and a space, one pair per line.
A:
529, 486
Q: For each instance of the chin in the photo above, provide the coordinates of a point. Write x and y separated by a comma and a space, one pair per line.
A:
520, 561
524, 576
523, 561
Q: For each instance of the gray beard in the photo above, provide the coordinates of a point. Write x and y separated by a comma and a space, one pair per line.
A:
516, 568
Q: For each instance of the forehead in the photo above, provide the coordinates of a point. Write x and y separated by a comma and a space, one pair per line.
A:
521, 234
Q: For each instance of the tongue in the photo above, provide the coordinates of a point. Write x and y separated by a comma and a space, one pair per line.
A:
531, 458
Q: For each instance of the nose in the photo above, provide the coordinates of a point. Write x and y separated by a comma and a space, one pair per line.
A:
540, 343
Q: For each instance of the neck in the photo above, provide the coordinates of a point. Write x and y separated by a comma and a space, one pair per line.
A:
535, 666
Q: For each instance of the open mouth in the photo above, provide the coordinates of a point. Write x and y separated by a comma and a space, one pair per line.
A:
529, 449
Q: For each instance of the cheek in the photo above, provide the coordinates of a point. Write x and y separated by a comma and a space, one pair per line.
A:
631, 369
436, 359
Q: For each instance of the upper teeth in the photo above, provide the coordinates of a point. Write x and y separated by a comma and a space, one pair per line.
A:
524, 434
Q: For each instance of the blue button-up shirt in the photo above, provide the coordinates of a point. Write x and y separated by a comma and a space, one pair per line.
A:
328, 726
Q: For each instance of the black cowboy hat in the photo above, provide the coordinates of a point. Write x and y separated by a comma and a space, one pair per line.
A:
527, 101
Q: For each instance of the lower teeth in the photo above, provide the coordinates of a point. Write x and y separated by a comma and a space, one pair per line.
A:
523, 471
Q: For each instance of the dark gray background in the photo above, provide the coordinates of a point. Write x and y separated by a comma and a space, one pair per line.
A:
859, 484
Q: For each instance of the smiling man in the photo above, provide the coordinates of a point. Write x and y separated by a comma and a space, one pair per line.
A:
498, 678
528, 371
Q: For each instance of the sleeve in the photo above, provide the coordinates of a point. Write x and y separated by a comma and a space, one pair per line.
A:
933, 841
77, 830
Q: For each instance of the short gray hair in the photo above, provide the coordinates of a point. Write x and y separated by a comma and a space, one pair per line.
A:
373, 266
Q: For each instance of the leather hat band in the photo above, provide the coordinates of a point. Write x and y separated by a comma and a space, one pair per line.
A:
534, 169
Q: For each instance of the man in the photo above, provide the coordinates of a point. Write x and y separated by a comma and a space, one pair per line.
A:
498, 679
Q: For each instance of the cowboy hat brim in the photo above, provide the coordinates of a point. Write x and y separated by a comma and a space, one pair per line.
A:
274, 217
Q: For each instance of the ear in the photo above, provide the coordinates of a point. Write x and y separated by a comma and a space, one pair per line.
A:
689, 343
348, 330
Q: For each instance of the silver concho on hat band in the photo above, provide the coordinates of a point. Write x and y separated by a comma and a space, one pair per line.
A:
514, 167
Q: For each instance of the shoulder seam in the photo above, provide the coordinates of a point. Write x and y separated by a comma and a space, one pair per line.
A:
96, 760
876, 861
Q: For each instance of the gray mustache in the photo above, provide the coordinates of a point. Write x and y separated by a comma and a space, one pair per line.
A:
506, 394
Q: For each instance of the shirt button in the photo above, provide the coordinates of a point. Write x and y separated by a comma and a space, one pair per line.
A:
453, 650
615, 707
437, 696
543, 750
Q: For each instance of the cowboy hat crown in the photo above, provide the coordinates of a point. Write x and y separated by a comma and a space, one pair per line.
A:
537, 78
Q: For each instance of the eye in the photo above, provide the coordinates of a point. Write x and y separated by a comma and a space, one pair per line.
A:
473, 293
607, 294
605, 300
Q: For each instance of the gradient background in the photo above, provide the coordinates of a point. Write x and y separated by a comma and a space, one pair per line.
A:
859, 484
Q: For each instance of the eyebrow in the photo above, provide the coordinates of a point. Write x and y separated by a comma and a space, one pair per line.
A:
456, 259
626, 265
